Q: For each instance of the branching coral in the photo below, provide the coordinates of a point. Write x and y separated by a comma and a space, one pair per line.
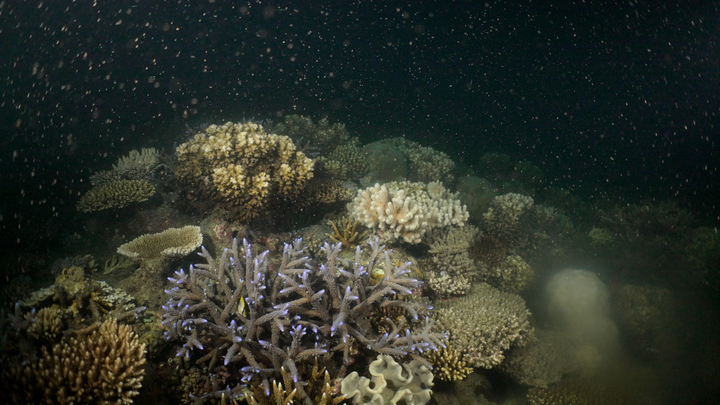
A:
407, 210
345, 231
243, 167
300, 312
105, 366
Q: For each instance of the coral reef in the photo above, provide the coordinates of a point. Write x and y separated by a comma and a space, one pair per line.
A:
476, 193
387, 163
425, 164
105, 366
137, 165
242, 317
448, 364
242, 167
390, 383
346, 162
703, 255
648, 316
511, 275
449, 250
323, 135
484, 324
444, 286
541, 362
507, 216
344, 231
47, 324
154, 251
406, 210
115, 194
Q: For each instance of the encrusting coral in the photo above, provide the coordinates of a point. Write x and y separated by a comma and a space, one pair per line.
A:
484, 324
390, 383
245, 319
103, 367
406, 210
242, 167
115, 194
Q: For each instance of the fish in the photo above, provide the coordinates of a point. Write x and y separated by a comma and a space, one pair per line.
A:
242, 307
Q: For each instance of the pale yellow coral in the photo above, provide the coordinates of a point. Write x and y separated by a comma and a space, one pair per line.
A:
115, 194
243, 167
172, 243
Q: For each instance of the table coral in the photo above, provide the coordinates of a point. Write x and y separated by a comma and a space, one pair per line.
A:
115, 194
243, 167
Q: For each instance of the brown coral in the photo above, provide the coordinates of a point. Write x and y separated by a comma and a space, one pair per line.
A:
448, 364
105, 366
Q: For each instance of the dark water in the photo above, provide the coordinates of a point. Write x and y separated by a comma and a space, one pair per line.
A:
612, 101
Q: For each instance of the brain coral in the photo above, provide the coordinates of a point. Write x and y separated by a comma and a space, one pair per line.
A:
243, 167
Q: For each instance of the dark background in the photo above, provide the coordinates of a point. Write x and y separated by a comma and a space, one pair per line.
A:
606, 98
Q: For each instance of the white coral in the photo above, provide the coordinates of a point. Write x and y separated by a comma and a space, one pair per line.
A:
407, 210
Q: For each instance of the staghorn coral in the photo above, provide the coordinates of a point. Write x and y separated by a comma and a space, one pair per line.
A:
406, 210
390, 383
344, 231
448, 364
105, 366
136, 165
115, 194
484, 324
299, 313
243, 167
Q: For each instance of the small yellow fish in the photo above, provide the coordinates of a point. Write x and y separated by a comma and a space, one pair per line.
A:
242, 307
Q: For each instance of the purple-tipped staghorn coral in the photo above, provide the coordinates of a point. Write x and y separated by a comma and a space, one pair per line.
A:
238, 314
